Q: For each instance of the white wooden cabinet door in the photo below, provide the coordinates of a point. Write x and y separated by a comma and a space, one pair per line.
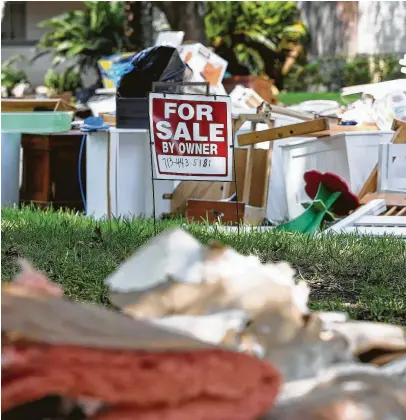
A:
392, 168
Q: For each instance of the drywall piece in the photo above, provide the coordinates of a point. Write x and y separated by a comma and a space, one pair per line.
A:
375, 89
171, 254
392, 168
373, 208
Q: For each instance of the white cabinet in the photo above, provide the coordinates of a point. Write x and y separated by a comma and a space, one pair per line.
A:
130, 183
350, 155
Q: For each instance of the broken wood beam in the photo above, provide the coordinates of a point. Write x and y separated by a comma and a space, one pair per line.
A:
277, 133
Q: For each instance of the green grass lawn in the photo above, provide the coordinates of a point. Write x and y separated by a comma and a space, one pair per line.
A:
364, 276
293, 98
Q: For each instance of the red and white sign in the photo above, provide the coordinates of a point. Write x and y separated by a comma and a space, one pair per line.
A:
191, 136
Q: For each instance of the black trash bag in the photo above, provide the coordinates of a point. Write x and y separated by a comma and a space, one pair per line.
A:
155, 64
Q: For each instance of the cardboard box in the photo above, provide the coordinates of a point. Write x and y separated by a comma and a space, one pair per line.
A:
206, 65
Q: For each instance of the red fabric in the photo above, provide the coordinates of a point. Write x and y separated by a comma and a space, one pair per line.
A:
347, 200
209, 384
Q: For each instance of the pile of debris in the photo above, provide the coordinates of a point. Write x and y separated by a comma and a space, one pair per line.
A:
204, 333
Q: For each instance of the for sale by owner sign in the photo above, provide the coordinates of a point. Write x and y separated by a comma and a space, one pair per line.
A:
191, 137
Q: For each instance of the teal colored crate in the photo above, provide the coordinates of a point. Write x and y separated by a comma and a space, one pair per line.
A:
36, 122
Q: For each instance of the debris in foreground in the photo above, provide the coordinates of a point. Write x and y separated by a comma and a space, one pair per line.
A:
206, 333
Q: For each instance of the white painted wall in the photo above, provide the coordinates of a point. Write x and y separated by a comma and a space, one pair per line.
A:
38, 11
381, 27
371, 27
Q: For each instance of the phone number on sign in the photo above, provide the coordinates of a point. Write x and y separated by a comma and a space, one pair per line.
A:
192, 164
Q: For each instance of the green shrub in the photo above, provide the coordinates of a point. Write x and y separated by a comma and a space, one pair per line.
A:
11, 75
85, 35
357, 71
334, 73
66, 81
255, 37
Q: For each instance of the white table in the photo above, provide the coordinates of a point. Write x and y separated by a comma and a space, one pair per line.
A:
130, 175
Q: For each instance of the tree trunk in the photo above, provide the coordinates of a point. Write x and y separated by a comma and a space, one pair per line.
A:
139, 24
186, 16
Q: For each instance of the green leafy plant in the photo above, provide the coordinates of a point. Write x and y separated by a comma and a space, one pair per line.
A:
334, 73
66, 81
11, 75
386, 66
85, 35
357, 71
255, 37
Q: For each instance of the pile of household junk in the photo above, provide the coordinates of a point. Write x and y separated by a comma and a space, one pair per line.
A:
199, 332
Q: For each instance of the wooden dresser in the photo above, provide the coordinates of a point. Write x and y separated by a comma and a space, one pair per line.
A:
50, 170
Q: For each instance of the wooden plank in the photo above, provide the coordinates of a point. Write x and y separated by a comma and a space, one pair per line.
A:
30, 105
402, 212
229, 187
240, 159
194, 189
374, 207
397, 123
215, 211
337, 129
259, 118
371, 184
381, 221
398, 200
277, 133
260, 177
248, 175
248, 169
391, 211
376, 230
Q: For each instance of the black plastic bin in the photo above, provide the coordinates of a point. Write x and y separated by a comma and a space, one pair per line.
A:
132, 113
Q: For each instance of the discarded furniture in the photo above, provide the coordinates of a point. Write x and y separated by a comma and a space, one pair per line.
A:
32, 116
50, 170
373, 218
223, 212
350, 155
392, 168
251, 171
119, 175
371, 183
330, 194
227, 212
